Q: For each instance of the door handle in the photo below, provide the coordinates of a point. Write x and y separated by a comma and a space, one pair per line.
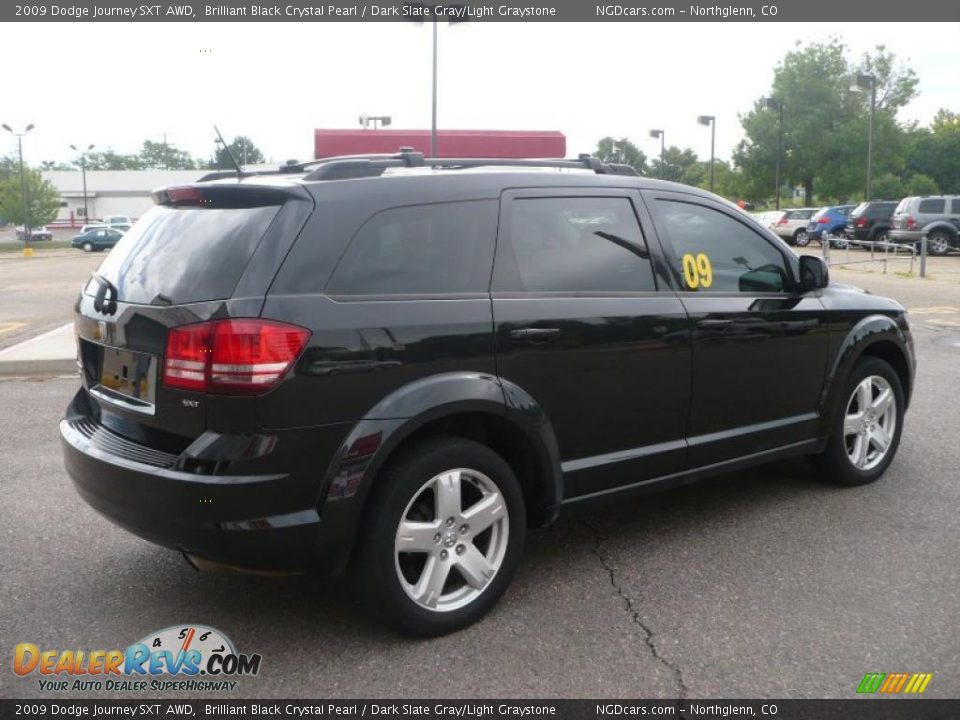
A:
535, 334
714, 324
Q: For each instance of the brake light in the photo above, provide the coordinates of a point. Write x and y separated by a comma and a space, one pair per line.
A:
237, 356
782, 221
911, 223
824, 220
861, 222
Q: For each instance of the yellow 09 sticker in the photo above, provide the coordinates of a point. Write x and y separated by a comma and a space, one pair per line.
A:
697, 271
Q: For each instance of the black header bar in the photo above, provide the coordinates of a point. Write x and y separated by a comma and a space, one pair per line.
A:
457, 11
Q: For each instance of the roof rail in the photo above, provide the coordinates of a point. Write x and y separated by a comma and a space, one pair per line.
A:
355, 166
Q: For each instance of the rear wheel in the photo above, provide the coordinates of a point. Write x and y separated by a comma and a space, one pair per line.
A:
867, 433
938, 243
801, 238
443, 537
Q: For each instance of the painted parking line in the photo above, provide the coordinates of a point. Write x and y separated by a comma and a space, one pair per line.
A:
936, 310
11, 326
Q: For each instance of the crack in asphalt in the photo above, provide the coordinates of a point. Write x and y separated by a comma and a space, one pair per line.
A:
630, 607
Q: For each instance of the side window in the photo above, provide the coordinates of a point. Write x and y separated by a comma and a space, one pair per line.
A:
715, 253
572, 244
936, 207
444, 248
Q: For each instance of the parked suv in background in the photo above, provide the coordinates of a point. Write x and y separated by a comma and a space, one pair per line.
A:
401, 364
870, 221
792, 226
831, 220
936, 217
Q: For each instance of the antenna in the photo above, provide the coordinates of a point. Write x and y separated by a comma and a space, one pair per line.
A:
229, 153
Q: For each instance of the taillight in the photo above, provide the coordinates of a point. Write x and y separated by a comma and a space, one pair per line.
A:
861, 222
237, 356
782, 221
824, 220
911, 223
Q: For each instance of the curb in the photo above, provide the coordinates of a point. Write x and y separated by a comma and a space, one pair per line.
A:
28, 368
44, 354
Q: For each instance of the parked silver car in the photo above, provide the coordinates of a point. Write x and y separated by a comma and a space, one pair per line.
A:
937, 217
792, 226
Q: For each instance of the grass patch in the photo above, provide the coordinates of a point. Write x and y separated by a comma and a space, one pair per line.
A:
38, 247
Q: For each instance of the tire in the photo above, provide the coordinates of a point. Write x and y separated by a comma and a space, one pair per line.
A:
389, 582
801, 238
938, 243
88, 247
853, 456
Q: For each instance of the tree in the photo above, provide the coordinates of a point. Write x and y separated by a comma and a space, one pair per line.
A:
53, 165
110, 160
243, 150
825, 124
164, 156
622, 151
888, 186
43, 200
920, 185
935, 151
678, 165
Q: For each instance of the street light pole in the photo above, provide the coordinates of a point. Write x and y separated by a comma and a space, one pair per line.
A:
774, 104
662, 135
866, 81
710, 120
83, 172
23, 186
433, 109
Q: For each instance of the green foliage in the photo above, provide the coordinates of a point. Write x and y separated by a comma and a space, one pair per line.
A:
622, 151
243, 150
935, 152
888, 187
43, 200
110, 160
921, 185
165, 156
678, 166
825, 124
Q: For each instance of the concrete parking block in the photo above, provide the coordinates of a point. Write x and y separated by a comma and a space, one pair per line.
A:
52, 353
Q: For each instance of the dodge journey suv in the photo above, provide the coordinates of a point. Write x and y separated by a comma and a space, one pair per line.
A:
398, 365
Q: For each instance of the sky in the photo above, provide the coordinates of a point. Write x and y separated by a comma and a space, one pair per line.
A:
117, 84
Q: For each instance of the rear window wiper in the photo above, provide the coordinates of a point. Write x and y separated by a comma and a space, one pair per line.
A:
101, 302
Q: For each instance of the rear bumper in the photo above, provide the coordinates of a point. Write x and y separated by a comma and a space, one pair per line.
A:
255, 521
905, 236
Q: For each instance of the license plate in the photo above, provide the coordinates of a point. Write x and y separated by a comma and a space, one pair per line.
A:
129, 378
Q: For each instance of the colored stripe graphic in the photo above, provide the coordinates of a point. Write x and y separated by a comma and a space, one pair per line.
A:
871, 682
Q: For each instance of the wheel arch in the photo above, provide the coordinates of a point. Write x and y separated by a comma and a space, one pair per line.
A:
473, 405
877, 336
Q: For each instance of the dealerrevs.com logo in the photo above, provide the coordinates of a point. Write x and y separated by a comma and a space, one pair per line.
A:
180, 657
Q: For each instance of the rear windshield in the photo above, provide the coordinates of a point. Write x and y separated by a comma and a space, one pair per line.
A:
860, 209
185, 254
904, 205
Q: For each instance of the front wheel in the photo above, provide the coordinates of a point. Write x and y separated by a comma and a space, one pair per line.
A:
88, 247
866, 435
443, 537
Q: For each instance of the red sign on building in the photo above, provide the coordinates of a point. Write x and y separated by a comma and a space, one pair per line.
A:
450, 143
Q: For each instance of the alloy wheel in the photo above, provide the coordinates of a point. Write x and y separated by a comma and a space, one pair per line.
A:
870, 422
451, 539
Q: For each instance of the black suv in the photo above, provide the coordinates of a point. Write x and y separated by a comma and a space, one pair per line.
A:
400, 365
871, 221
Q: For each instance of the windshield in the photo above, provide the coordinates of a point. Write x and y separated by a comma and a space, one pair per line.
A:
860, 209
182, 255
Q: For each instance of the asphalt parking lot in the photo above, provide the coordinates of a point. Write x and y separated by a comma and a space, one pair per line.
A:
759, 584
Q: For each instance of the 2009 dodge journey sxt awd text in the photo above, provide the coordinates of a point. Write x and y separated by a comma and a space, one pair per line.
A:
400, 364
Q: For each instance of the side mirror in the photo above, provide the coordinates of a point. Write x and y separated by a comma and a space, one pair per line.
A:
814, 273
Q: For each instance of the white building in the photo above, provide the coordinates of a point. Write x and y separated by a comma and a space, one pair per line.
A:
112, 192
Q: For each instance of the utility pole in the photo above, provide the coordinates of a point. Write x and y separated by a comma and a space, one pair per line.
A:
83, 171
27, 250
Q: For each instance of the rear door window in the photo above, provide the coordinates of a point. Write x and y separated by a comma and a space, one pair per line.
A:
443, 248
932, 207
573, 245
183, 255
